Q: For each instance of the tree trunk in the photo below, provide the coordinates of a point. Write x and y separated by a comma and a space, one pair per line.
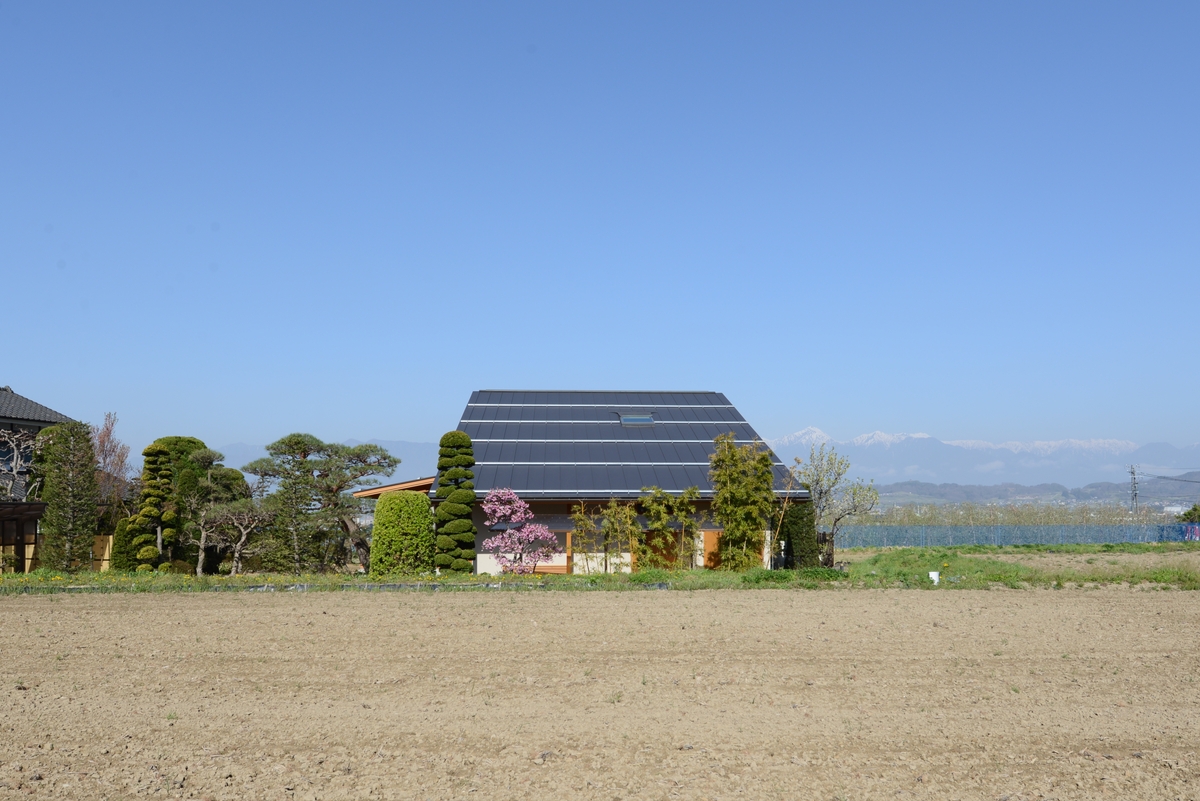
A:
296, 548
200, 555
362, 550
158, 529
237, 555
826, 539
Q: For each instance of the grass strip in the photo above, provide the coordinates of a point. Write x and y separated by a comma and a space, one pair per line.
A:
960, 567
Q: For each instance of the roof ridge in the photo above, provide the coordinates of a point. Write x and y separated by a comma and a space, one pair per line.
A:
17, 407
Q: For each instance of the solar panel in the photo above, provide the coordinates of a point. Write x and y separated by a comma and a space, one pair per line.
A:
598, 444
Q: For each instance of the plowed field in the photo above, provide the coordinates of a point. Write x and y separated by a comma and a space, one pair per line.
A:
651, 694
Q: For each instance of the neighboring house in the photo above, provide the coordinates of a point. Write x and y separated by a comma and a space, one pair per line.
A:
558, 449
19, 517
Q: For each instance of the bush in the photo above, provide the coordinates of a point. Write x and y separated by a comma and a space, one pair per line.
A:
798, 535
760, 575
148, 553
402, 540
145, 568
651, 575
820, 574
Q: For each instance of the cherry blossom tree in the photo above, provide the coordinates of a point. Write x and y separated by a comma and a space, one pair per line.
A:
521, 545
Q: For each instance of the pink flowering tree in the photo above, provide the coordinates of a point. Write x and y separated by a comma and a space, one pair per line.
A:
522, 544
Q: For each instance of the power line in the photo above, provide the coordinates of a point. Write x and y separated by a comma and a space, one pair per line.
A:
1164, 467
1171, 478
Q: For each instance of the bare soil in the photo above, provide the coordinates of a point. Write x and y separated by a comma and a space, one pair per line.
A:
759, 694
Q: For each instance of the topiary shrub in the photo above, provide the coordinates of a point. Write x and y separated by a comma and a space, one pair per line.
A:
402, 538
798, 536
454, 548
123, 555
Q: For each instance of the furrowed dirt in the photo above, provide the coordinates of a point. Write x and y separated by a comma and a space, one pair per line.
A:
762, 694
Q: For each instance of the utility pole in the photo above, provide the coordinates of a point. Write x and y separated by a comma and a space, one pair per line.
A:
1133, 503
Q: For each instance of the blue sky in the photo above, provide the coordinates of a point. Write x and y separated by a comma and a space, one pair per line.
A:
238, 220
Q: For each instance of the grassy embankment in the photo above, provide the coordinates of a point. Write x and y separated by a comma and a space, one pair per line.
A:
961, 567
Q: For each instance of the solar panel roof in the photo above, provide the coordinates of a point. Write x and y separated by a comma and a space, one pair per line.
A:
568, 445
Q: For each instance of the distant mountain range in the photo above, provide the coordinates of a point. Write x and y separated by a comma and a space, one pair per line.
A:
895, 458
1153, 493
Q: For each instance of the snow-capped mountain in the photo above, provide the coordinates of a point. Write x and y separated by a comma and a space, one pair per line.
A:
886, 440
804, 437
889, 458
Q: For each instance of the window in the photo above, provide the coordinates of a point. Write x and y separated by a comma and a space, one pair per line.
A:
637, 420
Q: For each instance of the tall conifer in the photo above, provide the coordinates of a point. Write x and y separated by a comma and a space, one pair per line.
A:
66, 467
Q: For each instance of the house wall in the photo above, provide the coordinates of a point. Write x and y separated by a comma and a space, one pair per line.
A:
556, 515
101, 552
18, 546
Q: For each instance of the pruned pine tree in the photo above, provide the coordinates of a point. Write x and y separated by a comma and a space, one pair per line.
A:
455, 543
152, 529
743, 483
66, 468
315, 512
240, 524
210, 486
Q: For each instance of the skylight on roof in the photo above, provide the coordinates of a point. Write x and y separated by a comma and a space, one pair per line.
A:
637, 420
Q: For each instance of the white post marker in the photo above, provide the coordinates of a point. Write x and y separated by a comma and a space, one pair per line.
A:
934, 576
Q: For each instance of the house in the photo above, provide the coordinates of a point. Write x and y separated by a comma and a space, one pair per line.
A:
20, 417
558, 449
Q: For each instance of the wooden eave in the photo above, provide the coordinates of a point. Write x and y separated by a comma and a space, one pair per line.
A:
416, 485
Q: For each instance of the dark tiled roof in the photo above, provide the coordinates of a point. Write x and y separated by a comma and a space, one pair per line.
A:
18, 407
575, 445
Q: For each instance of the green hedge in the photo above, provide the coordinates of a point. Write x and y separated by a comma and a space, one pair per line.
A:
402, 539
800, 530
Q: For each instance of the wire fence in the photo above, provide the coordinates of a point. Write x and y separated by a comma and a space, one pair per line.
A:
941, 536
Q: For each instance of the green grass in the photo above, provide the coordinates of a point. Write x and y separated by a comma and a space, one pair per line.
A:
968, 567
961, 567
910, 567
